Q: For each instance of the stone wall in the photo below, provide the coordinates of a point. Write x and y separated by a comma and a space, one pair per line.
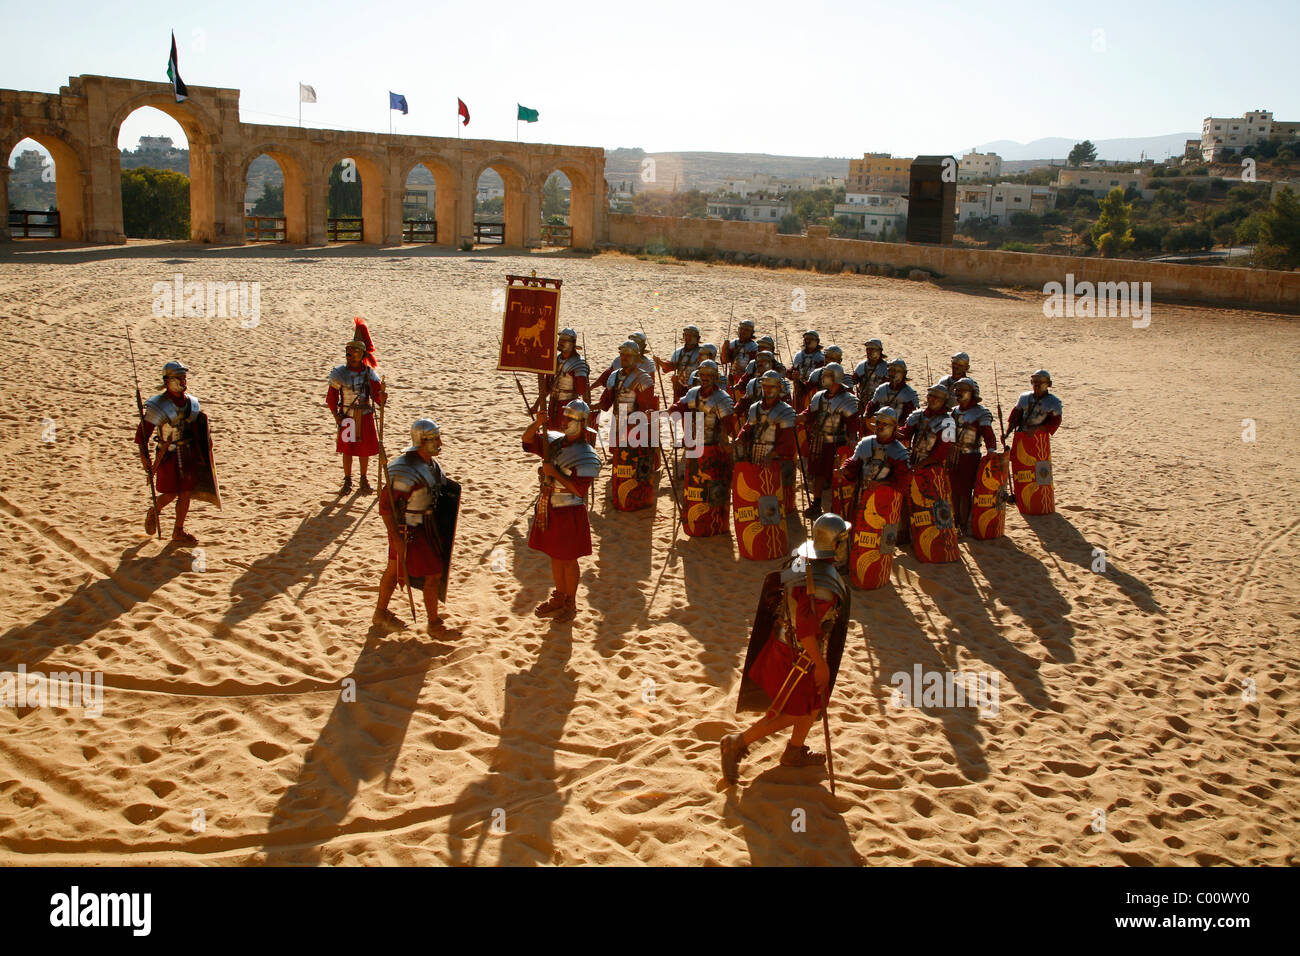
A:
759, 242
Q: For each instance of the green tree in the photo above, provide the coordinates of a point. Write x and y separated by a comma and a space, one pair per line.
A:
344, 196
1082, 153
1279, 233
1113, 231
155, 204
554, 202
790, 225
271, 202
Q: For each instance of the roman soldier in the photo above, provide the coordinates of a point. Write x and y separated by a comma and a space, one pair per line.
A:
751, 392
737, 353
880, 458
631, 389
795, 648
418, 548
684, 361
708, 353
802, 365
643, 361
568, 382
960, 370
895, 393
871, 372
929, 431
827, 419
769, 432
354, 390
1038, 409
181, 469
708, 475
974, 422
752, 370
560, 528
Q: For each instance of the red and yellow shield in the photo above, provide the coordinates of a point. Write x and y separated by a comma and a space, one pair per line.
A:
934, 535
988, 513
875, 535
632, 486
1031, 473
759, 511
707, 480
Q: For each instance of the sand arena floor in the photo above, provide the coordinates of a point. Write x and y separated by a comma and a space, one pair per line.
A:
1160, 692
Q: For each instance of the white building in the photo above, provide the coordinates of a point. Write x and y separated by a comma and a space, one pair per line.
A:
1223, 136
975, 165
748, 210
873, 212
998, 203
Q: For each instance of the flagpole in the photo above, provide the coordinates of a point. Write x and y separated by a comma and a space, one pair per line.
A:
300, 104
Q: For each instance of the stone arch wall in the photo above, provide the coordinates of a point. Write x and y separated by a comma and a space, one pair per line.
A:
85, 117
69, 177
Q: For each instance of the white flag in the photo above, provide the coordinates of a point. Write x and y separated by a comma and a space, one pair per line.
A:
306, 94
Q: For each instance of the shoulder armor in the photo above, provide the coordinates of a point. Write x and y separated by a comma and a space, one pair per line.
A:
845, 402
826, 580
1051, 403
153, 410
577, 366
915, 419
722, 399
404, 471
580, 458
337, 375
908, 394
783, 414
896, 450
691, 397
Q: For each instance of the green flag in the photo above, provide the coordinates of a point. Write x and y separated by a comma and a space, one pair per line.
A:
527, 115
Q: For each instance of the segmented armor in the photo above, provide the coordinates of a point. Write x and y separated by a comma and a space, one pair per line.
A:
354, 387
828, 585
578, 459
834, 413
685, 360
969, 423
950, 383
886, 396
1035, 411
715, 407
805, 362
926, 431
423, 479
562, 386
766, 423
868, 378
625, 386
173, 424
878, 458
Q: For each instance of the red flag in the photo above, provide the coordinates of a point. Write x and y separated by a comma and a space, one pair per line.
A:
463, 111
363, 333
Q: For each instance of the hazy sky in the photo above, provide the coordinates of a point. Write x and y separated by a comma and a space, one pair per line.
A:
811, 78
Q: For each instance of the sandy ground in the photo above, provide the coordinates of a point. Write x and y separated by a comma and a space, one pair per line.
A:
1160, 692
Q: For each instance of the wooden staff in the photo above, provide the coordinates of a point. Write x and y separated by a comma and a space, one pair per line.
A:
139, 406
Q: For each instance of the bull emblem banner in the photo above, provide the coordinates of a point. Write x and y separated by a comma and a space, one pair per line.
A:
530, 326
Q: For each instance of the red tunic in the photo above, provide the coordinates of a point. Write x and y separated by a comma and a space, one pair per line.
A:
568, 532
421, 560
177, 472
772, 665
366, 439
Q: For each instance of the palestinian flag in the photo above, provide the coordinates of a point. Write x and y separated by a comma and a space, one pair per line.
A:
174, 74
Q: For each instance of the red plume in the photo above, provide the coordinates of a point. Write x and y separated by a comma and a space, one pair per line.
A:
363, 333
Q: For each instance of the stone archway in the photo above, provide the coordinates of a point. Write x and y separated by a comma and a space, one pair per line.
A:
201, 136
69, 180
293, 168
516, 202
370, 171
582, 201
446, 193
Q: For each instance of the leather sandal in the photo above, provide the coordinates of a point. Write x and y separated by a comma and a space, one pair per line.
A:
151, 522
551, 606
801, 757
733, 750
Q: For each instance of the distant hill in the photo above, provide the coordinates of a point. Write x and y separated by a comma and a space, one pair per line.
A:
708, 171
1155, 147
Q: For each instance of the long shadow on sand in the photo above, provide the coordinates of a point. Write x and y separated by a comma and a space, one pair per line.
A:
895, 642
1062, 539
299, 559
721, 594
1024, 584
789, 820
518, 801
624, 563
94, 607
360, 741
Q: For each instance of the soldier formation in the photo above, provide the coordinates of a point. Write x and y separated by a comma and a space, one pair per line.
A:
896, 469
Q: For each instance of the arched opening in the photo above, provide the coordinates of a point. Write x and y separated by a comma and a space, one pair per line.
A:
275, 198
420, 196
45, 190
499, 204
580, 208
556, 197
165, 165
354, 211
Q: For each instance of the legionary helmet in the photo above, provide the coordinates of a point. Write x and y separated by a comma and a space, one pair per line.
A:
812, 334
764, 357
639, 339
569, 334
426, 430
709, 349
961, 358
830, 538
875, 344
1042, 373
886, 414
835, 370
692, 328
967, 383
630, 345
767, 344
173, 368
708, 365
576, 414
834, 353
898, 364
937, 389
748, 323
772, 377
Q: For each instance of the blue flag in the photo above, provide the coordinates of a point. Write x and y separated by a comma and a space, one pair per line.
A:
397, 101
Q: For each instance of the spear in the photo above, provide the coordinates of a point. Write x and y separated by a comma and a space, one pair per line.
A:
1006, 471
139, 405
811, 586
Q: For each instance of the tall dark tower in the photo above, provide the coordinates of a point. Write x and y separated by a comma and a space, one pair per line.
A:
932, 200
